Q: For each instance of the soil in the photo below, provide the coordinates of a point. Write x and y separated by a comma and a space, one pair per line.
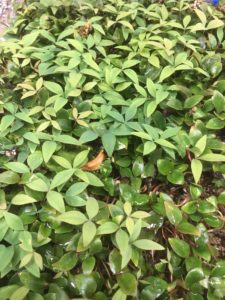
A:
217, 239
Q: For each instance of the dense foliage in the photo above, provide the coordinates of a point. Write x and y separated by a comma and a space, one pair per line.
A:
112, 151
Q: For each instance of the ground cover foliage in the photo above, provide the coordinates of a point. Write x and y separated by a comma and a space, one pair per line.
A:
112, 151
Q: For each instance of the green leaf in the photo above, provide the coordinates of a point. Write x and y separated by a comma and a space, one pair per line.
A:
72, 217
180, 247
17, 167
62, 162
88, 265
151, 108
56, 201
32, 137
201, 16
53, 87
165, 166
76, 44
127, 283
145, 244
80, 158
218, 101
109, 142
201, 144
132, 75
187, 228
212, 157
151, 87
9, 177
7, 291
107, 228
22, 199
13, 221
88, 233
215, 124
173, 213
176, 177
67, 262
66, 139
193, 277
30, 38
34, 160
48, 148
119, 295
6, 254
192, 101
86, 285
165, 143
215, 24
92, 208
196, 168
166, 72
61, 178
76, 189
149, 147
20, 293
88, 59
37, 184
122, 240
6, 121
88, 136
89, 178
155, 288
138, 166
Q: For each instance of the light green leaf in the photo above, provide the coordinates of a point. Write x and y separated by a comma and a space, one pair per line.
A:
80, 158
22, 199
145, 244
30, 38
151, 87
13, 221
32, 137
88, 59
132, 75
107, 228
213, 157
56, 201
196, 168
165, 143
48, 148
151, 108
180, 247
53, 87
201, 16
173, 213
37, 184
6, 254
72, 217
109, 142
215, 24
149, 147
166, 72
201, 144
20, 293
88, 233
17, 167
92, 208
6, 121
61, 178
88, 178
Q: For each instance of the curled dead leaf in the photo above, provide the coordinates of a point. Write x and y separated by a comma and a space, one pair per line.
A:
95, 164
